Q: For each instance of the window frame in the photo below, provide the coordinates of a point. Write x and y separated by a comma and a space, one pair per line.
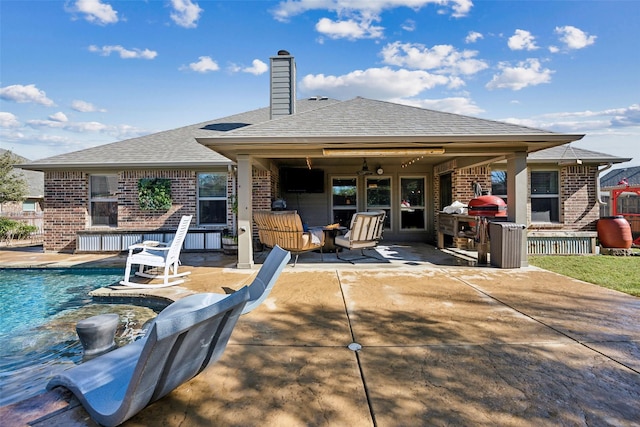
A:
503, 196
545, 196
113, 198
422, 207
387, 208
29, 205
350, 207
224, 198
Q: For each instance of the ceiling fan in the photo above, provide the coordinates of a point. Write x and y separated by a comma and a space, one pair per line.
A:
365, 168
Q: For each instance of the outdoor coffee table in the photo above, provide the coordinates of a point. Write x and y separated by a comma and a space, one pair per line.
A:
330, 234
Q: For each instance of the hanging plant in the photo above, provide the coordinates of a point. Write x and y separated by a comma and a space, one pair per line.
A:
154, 194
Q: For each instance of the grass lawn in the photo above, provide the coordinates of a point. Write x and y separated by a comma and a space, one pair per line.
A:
621, 273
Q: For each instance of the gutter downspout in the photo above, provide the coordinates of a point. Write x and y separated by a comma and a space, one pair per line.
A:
232, 170
598, 190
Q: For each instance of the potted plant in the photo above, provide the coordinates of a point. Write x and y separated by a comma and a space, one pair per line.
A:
230, 236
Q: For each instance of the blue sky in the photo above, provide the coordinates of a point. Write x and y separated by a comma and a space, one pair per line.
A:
79, 73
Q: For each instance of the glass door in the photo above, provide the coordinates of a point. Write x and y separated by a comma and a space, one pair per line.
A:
412, 204
344, 201
378, 196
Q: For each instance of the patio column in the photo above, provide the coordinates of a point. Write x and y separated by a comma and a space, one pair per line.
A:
517, 194
245, 212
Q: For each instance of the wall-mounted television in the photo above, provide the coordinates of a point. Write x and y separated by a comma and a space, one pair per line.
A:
302, 180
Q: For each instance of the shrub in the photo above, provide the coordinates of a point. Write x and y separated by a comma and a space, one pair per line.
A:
15, 229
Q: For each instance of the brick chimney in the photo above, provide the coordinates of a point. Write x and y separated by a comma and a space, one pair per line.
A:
283, 85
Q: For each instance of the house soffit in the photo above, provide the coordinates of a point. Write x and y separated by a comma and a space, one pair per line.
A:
451, 147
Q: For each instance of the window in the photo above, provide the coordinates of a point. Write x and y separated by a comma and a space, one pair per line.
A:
103, 200
446, 190
344, 200
212, 198
412, 204
499, 184
379, 197
29, 206
545, 199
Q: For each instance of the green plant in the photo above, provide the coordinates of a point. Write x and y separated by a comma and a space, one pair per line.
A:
15, 229
13, 186
154, 194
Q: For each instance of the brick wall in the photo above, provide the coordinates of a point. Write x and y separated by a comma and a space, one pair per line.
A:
263, 193
578, 199
261, 187
580, 208
66, 196
67, 203
183, 196
463, 180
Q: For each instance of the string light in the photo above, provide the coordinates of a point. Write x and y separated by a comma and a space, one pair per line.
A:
410, 162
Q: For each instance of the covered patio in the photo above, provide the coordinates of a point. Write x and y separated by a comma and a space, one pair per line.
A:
437, 344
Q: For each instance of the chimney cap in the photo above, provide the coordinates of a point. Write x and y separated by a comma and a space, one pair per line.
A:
283, 52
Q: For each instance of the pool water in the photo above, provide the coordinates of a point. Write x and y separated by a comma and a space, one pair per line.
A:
39, 309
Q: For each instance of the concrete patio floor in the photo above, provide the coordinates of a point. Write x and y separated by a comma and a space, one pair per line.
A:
442, 343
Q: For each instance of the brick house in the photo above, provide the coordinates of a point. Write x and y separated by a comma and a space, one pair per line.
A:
376, 153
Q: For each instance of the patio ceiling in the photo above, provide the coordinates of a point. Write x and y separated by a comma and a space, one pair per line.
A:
294, 151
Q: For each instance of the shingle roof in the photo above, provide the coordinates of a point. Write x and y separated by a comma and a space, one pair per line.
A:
368, 117
176, 147
570, 153
321, 118
612, 178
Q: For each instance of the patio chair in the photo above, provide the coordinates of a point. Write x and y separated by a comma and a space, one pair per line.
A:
284, 228
166, 258
364, 233
266, 278
185, 338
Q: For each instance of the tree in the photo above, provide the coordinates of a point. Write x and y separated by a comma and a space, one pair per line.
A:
13, 186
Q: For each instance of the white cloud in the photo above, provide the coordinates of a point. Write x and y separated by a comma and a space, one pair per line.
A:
257, 68
522, 40
554, 49
85, 107
95, 11
473, 37
586, 120
455, 105
115, 131
377, 83
59, 117
355, 18
526, 73
186, 13
409, 25
8, 120
204, 65
124, 53
79, 127
574, 38
441, 58
349, 29
24, 94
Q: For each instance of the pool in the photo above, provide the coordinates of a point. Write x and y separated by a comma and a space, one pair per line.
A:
38, 313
